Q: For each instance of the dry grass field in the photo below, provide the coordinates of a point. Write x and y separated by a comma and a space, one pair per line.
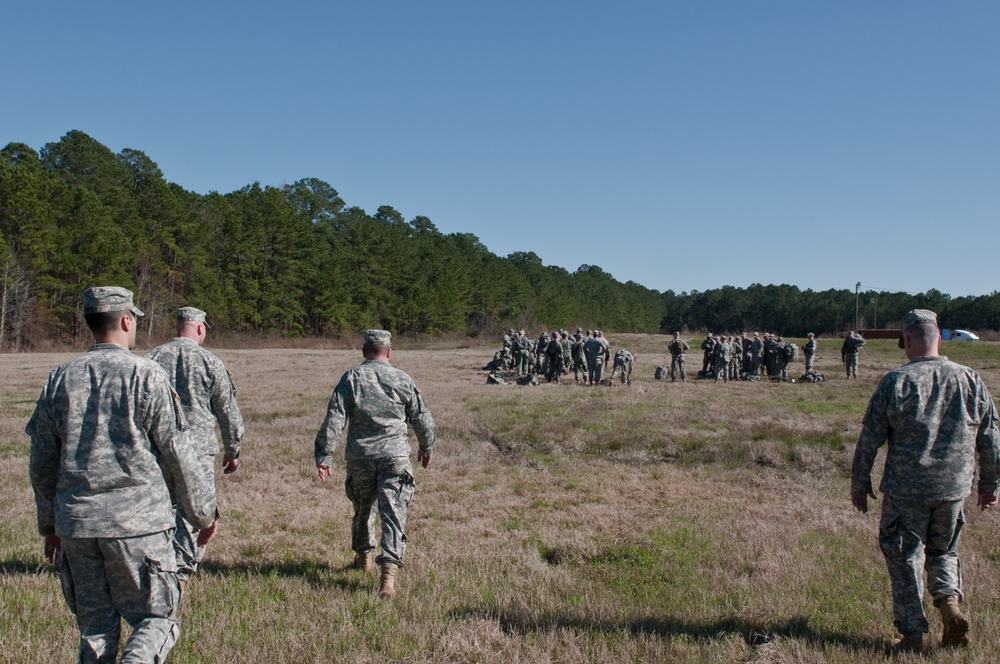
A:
662, 522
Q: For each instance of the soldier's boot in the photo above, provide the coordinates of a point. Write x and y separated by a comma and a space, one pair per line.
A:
364, 562
388, 586
908, 645
956, 626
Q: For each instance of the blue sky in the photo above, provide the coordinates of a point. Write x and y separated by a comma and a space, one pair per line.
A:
681, 145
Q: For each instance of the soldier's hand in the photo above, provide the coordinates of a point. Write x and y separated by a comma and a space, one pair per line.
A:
52, 546
229, 466
424, 459
205, 535
986, 501
324, 471
860, 500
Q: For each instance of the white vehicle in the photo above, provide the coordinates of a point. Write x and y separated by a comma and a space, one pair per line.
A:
963, 335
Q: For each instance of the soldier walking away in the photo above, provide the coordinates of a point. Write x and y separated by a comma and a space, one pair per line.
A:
108, 446
677, 348
376, 401
208, 395
935, 416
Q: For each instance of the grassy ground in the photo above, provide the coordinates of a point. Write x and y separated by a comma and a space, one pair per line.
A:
667, 522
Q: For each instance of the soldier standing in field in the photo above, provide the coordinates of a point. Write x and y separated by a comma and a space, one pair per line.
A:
376, 401
809, 351
106, 434
207, 395
579, 357
853, 343
935, 415
721, 354
598, 353
756, 353
677, 348
708, 361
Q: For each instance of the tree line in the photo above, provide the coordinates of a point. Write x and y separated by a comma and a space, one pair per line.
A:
298, 261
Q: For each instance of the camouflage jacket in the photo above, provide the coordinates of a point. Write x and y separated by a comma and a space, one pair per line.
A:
677, 346
103, 427
596, 348
936, 415
810, 348
376, 401
207, 393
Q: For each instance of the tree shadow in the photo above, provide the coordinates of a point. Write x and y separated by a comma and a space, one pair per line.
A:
26, 566
317, 575
755, 633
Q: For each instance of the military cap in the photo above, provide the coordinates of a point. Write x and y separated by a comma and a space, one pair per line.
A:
810, 335
378, 338
191, 314
914, 318
579, 329
100, 299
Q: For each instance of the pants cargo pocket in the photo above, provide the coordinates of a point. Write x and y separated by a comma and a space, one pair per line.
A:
161, 589
66, 582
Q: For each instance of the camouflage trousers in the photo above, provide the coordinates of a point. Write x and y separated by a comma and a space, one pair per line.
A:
580, 369
677, 364
384, 486
721, 370
107, 579
624, 369
595, 369
851, 365
916, 536
809, 363
189, 555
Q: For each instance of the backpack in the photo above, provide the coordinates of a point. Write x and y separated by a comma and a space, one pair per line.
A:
791, 352
660, 373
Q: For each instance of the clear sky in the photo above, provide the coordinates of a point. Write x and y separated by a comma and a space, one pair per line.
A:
681, 145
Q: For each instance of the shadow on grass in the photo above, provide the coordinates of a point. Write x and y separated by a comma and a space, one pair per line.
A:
318, 575
26, 566
755, 633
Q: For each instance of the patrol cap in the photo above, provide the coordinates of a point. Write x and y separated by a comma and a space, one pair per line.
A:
100, 299
192, 314
579, 329
914, 318
378, 338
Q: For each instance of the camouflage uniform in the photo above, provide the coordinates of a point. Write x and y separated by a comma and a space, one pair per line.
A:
597, 354
207, 394
624, 364
579, 358
105, 430
849, 352
541, 349
519, 351
708, 345
721, 355
554, 359
376, 401
677, 348
936, 415
756, 351
809, 351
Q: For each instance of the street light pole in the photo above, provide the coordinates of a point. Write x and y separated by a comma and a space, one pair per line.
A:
857, 292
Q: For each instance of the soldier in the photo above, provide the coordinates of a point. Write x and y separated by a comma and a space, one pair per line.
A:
735, 355
853, 343
519, 351
540, 352
708, 345
677, 348
567, 351
746, 355
376, 401
935, 415
809, 351
598, 353
781, 358
579, 356
207, 395
554, 359
756, 353
106, 429
623, 366
721, 355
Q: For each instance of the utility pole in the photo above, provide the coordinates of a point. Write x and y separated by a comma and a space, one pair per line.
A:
857, 292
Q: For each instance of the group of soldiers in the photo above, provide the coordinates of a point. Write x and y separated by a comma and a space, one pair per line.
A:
122, 465
556, 354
